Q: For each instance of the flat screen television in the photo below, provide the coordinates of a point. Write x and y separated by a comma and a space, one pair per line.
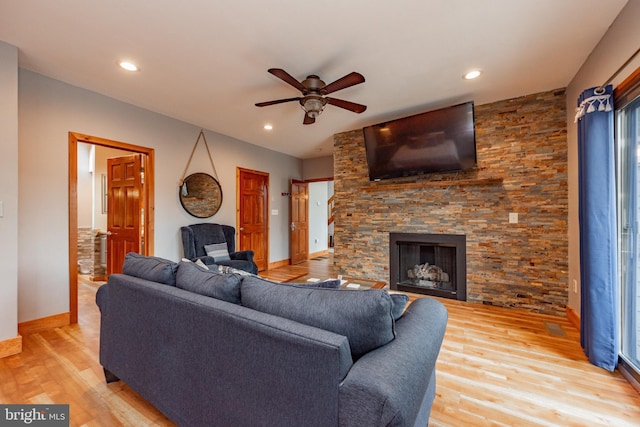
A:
436, 141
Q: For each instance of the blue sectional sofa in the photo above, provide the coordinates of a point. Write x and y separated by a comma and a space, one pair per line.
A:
212, 349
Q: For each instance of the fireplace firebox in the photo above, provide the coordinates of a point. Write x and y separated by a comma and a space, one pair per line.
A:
431, 264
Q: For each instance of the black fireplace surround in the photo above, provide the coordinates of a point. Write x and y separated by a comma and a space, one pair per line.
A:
430, 264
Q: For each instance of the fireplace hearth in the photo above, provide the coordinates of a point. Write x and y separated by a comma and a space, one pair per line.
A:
431, 264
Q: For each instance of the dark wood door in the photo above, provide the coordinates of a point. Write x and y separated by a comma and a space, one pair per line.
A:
253, 221
124, 213
299, 226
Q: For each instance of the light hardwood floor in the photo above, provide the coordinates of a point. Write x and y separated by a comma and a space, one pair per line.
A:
497, 367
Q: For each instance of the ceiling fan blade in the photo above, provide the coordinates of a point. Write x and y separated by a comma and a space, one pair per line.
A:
350, 79
308, 120
277, 101
347, 105
283, 75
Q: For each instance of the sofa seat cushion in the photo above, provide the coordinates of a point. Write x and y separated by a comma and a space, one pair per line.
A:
150, 268
364, 317
191, 277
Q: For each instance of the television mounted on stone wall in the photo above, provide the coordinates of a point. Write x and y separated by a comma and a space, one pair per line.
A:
441, 140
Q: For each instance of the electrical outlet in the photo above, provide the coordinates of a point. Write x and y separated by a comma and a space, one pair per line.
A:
513, 217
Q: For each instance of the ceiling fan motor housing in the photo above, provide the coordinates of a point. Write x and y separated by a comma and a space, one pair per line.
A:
313, 84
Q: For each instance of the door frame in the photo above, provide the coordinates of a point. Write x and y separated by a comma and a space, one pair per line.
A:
148, 164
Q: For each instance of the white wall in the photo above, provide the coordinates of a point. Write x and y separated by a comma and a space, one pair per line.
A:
618, 44
8, 191
330, 191
48, 110
85, 185
318, 216
317, 168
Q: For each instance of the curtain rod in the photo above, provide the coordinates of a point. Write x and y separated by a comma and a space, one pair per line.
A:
600, 89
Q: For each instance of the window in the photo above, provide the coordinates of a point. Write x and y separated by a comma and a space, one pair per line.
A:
628, 189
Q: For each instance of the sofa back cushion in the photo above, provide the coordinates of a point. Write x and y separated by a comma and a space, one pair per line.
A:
150, 268
364, 317
191, 277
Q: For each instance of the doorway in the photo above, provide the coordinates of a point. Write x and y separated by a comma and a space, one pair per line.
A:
147, 217
299, 217
252, 220
311, 210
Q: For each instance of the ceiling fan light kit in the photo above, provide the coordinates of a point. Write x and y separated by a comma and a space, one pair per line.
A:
314, 91
313, 105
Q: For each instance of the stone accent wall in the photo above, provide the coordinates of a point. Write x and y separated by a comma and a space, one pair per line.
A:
522, 168
85, 243
99, 271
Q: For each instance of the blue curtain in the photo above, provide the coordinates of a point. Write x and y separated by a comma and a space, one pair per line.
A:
598, 237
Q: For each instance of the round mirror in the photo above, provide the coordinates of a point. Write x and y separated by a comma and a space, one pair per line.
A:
201, 195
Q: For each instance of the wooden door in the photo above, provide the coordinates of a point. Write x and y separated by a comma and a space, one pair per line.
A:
299, 226
125, 209
253, 221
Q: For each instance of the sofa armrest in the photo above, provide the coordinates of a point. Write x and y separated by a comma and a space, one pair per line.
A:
102, 299
243, 255
387, 386
206, 259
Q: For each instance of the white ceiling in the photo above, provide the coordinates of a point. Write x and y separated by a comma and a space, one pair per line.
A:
205, 61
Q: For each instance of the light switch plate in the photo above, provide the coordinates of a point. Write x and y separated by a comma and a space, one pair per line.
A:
513, 218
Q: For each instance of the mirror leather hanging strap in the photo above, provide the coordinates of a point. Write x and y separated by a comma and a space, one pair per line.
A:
184, 174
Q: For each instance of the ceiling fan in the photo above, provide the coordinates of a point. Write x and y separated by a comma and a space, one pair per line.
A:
314, 91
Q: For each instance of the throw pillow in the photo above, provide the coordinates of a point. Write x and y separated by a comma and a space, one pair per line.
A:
194, 278
328, 284
364, 317
201, 264
399, 303
197, 262
150, 268
217, 251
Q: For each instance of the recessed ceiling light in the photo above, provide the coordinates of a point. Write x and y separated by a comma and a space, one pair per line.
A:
268, 127
472, 74
129, 66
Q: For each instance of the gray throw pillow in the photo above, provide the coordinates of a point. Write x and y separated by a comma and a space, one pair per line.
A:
150, 268
217, 251
399, 303
193, 278
364, 317
329, 283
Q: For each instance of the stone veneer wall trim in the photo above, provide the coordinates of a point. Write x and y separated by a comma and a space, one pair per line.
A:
522, 167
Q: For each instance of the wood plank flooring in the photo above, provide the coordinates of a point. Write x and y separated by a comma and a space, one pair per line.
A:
497, 367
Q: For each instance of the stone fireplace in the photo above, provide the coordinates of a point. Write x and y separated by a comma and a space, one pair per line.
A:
522, 168
431, 264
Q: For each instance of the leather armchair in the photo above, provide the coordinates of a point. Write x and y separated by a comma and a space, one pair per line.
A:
196, 236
